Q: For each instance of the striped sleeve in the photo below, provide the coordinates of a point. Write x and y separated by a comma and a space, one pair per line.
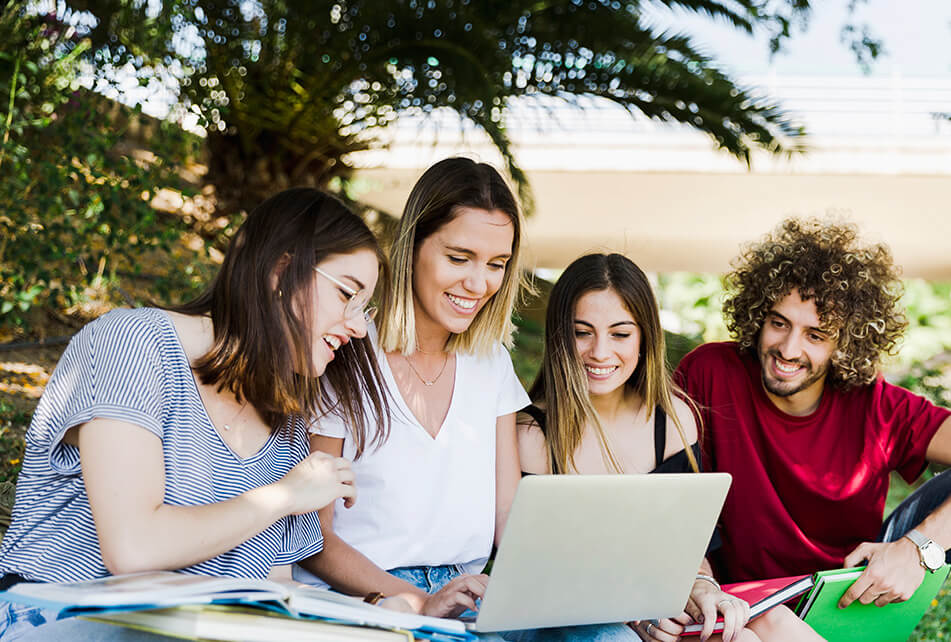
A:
112, 370
302, 538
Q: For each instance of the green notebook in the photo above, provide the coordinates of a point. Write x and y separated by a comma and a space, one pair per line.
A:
866, 622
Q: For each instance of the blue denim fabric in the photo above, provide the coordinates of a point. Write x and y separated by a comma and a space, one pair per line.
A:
22, 623
433, 578
15, 619
916, 507
427, 578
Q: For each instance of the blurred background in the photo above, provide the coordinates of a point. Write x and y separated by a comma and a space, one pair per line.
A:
136, 134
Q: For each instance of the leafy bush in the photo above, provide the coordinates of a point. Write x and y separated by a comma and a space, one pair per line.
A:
13, 423
75, 191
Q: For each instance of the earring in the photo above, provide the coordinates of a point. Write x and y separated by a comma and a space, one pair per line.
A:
280, 293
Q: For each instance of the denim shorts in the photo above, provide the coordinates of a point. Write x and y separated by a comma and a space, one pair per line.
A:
428, 578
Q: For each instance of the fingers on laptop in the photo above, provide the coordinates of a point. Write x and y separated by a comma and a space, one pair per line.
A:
457, 596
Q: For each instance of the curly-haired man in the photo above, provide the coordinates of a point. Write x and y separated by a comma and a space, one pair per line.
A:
796, 410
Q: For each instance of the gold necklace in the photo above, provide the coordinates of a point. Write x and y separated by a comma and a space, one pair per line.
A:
416, 348
420, 377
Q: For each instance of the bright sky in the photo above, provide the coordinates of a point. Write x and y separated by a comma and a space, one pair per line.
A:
916, 36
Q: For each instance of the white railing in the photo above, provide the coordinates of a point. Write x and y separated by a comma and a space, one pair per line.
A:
857, 125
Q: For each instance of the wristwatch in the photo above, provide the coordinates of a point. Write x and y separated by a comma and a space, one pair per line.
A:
932, 557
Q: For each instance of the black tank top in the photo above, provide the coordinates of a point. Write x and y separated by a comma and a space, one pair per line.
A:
676, 463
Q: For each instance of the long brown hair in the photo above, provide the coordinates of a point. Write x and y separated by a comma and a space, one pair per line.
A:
562, 383
263, 339
433, 202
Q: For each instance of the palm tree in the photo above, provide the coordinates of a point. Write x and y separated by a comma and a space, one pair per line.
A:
288, 88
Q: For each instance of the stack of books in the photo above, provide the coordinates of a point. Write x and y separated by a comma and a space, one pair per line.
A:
223, 608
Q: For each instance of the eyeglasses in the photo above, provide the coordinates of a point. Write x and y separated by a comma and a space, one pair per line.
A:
357, 299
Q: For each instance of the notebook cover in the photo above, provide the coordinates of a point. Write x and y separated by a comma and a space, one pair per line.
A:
760, 596
890, 623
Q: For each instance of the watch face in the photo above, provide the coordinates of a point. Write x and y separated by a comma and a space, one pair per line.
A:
932, 556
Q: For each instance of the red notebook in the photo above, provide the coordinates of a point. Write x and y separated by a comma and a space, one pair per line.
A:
762, 595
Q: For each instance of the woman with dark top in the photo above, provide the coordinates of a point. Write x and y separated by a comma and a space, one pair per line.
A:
603, 402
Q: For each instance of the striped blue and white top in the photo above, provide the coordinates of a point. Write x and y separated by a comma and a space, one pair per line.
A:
129, 365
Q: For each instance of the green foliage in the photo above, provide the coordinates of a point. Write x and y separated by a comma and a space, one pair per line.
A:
928, 381
13, 424
74, 198
928, 309
694, 303
936, 624
528, 349
288, 88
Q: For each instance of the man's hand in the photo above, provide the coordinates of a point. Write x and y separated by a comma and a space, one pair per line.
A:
894, 573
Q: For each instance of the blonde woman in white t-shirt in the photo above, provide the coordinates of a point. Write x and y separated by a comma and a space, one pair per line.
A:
434, 497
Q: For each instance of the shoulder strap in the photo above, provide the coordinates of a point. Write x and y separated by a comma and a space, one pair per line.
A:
538, 415
535, 413
660, 435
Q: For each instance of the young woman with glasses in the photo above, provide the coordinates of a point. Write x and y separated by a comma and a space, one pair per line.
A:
177, 439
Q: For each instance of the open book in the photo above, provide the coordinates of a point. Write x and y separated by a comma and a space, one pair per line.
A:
872, 623
762, 595
162, 589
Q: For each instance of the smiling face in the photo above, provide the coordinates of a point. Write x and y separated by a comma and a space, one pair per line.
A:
608, 340
332, 328
795, 352
457, 269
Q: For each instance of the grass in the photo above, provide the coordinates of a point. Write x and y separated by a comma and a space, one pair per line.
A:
936, 624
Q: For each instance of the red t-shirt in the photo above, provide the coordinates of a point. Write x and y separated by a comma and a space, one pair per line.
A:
806, 490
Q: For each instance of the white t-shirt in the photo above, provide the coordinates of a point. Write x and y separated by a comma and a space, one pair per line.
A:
424, 501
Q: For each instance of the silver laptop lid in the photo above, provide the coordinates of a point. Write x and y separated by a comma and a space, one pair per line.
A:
585, 549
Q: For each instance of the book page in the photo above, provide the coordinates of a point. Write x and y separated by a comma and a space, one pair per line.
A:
158, 587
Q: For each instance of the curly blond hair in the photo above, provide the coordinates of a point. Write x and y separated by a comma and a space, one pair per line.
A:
856, 290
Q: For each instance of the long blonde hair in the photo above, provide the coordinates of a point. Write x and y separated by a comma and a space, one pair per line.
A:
433, 202
562, 383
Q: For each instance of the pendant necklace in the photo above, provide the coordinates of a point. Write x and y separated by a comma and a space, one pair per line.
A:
227, 426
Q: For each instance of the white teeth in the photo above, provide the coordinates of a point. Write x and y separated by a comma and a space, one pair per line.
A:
600, 371
466, 304
332, 341
782, 367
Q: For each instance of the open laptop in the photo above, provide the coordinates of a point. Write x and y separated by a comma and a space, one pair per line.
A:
586, 549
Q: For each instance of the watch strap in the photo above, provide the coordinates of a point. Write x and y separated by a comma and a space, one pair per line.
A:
930, 554
919, 540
